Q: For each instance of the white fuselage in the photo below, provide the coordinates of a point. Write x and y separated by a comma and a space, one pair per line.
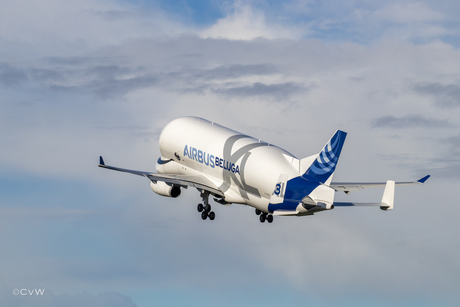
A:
244, 168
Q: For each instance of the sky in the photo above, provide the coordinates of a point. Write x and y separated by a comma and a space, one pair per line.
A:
79, 79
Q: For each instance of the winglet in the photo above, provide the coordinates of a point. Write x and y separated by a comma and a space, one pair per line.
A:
101, 161
388, 196
423, 179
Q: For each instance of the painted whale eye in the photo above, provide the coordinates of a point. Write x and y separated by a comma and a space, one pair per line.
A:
177, 156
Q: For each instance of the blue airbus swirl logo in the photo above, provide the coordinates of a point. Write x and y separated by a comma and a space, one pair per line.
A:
325, 163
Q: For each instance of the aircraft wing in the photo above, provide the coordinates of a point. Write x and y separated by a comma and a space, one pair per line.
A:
356, 186
387, 202
199, 182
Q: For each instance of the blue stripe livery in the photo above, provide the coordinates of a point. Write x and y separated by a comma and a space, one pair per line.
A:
318, 172
324, 166
296, 189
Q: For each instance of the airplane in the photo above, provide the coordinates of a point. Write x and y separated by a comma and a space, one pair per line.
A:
235, 168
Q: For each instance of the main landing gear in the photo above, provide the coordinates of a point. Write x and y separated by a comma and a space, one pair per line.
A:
206, 208
264, 216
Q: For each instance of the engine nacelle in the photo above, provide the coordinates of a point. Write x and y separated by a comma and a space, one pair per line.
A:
163, 189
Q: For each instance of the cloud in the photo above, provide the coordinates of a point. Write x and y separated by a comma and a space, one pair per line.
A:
246, 23
108, 79
79, 75
280, 92
10, 76
405, 13
447, 168
111, 87
455, 142
82, 25
409, 121
232, 81
236, 71
202, 80
445, 96
370, 22
299, 6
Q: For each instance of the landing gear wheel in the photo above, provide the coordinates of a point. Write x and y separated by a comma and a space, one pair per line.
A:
262, 218
258, 212
205, 207
270, 218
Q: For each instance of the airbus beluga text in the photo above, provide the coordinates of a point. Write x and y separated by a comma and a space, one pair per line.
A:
238, 169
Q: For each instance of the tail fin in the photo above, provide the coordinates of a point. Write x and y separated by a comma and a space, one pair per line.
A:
323, 166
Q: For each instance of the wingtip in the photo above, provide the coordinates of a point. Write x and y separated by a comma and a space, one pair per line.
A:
422, 180
101, 161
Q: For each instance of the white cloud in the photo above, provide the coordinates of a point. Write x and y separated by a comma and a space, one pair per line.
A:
246, 23
53, 27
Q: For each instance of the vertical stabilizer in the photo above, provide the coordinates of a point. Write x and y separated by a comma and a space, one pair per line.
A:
323, 164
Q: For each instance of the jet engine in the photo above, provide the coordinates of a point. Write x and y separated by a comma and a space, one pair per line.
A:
163, 189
